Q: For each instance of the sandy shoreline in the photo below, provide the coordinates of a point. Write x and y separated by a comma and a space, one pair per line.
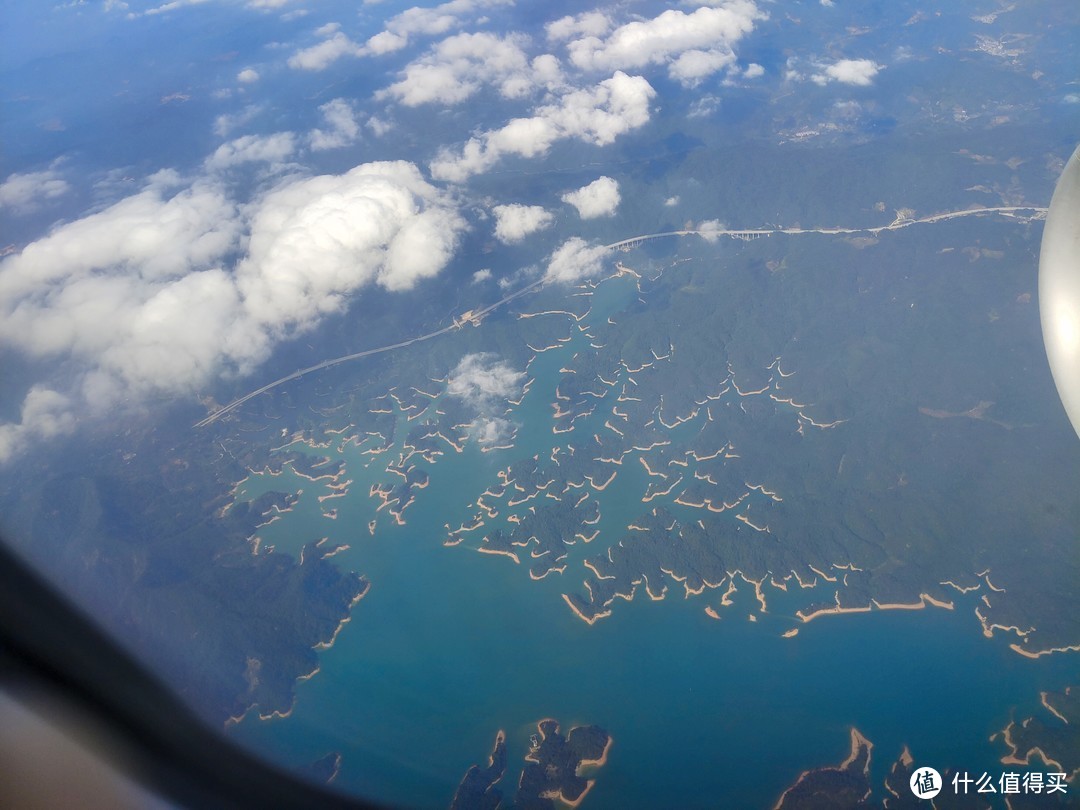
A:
577, 802
310, 675
236, 719
806, 618
653, 596
960, 588
1040, 653
596, 571
725, 600
858, 742
989, 628
278, 714
335, 550
590, 621
763, 529
603, 486
822, 574
925, 600
1051, 709
326, 645
557, 570
589, 763
512, 555
659, 493
585, 763
1013, 758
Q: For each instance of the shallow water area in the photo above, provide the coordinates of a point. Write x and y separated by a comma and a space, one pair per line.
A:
449, 646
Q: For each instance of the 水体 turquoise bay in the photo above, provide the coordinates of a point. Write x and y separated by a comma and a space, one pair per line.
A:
449, 646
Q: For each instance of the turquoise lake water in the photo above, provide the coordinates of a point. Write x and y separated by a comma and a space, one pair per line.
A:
449, 646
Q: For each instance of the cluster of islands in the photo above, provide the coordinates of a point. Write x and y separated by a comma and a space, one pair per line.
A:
737, 455
847, 415
849, 784
557, 771
725, 467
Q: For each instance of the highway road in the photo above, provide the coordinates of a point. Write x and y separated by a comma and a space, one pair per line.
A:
357, 355
1032, 212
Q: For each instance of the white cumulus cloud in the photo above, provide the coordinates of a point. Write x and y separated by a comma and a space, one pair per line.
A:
23, 193
589, 23
164, 8
456, 68
596, 115
147, 295
575, 260
599, 198
859, 72
323, 54
315, 240
396, 35
161, 235
482, 380
711, 230
418, 21
485, 383
45, 414
273, 149
515, 221
226, 123
693, 45
342, 127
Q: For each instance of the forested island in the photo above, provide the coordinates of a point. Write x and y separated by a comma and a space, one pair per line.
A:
551, 776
